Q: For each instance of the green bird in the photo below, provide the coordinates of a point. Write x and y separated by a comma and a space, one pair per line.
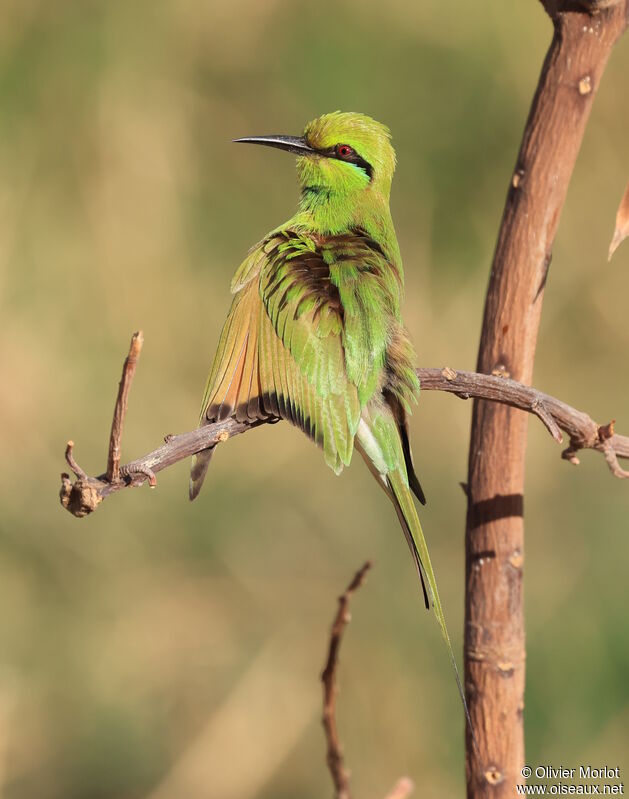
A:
315, 334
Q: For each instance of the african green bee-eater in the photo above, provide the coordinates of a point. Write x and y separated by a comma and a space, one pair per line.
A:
315, 335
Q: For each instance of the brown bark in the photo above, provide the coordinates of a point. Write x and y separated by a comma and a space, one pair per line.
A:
584, 35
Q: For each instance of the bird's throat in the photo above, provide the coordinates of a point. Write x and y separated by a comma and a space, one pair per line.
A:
326, 211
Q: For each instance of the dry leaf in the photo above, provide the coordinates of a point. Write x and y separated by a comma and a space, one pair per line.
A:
403, 788
622, 223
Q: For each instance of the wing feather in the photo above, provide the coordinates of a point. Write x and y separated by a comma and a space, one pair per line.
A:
300, 342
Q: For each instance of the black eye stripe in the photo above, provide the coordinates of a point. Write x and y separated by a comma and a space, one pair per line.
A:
352, 158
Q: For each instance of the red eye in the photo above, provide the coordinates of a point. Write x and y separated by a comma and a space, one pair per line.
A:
344, 150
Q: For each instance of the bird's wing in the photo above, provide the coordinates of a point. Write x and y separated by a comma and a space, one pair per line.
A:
301, 341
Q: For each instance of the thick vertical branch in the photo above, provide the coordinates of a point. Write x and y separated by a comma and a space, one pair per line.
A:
584, 34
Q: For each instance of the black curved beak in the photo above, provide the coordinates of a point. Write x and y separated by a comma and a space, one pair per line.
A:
293, 144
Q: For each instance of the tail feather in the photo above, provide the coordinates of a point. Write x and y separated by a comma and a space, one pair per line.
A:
385, 484
200, 464
412, 546
401, 419
405, 507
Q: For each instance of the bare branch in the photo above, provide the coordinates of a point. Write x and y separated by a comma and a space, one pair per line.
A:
86, 493
582, 430
120, 409
72, 462
340, 775
585, 32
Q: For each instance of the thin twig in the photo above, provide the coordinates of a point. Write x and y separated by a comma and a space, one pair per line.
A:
120, 409
336, 764
72, 462
340, 775
84, 495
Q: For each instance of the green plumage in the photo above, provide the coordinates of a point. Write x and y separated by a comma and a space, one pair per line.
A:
315, 335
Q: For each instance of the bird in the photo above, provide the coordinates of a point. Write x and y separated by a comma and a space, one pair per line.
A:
315, 334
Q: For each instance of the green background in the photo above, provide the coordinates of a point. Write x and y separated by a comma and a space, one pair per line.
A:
162, 649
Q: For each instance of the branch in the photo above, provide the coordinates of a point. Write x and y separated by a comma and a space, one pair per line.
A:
120, 410
585, 32
336, 764
86, 493
583, 432
340, 775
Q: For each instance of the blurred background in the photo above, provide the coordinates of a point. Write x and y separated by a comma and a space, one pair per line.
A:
161, 649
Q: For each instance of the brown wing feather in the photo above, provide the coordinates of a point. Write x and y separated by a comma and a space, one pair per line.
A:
233, 388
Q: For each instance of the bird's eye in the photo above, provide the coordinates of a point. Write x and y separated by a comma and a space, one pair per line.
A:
344, 151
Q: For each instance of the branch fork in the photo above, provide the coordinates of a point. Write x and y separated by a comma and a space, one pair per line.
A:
86, 493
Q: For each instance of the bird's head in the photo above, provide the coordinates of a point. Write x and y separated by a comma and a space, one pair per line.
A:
340, 155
